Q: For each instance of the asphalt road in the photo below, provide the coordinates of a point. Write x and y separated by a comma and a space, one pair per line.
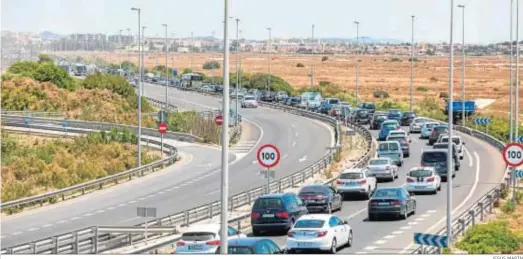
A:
481, 169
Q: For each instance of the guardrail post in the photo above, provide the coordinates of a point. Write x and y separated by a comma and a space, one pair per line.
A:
210, 211
63, 197
83, 191
292, 178
186, 217
462, 223
491, 203
279, 186
473, 216
76, 248
101, 185
249, 197
55, 245
9, 250
481, 212
232, 204
95, 240
496, 194
33, 247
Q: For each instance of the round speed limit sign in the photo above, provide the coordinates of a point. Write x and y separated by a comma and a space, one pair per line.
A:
513, 154
268, 156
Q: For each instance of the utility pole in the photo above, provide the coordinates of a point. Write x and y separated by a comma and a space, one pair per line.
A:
237, 68
312, 65
463, 119
412, 67
516, 112
511, 113
450, 165
166, 71
142, 42
224, 216
357, 62
270, 57
140, 86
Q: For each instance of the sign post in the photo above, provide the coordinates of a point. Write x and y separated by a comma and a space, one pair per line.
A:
65, 123
162, 128
513, 156
268, 156
144, 212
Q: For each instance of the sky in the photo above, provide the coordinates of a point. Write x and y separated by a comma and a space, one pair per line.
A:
486, 21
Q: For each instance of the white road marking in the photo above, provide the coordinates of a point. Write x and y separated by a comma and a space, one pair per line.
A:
370, 247
294, 144
121, 204
131, 219
152, 195
75, 218
254, 162
431, 211
425, 215
141, 199
32, 229
389, 236
61, 221
356, 213
2, 237
16, 233
302, 159
110, 208
285, 156
100, 211
406, 227
176, 187
87, 215
398, 232
46, 225
131, 202
380, 242
469, 156
413, 223
360, 253
419, 219
297, 134
471, 192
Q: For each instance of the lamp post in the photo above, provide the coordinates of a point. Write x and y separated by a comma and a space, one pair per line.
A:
516, 110
357, 61
412, 66
237, 67
142, 42
312, 65
166, 71
463, 119
269, 51
450, 122
225, 136
511, 113
139, 162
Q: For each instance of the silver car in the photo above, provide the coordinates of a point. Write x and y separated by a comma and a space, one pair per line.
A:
417, 123
383, 168
249, 102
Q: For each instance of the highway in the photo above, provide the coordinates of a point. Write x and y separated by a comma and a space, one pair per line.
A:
481, 169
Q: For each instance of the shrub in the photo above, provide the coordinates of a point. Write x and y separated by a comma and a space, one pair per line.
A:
415, 59
422, 89
211, 65
300, 65
504, 193
490, 238
44, 72
434, 79
186, 71
381, 94
395, 60
508, 207
444, 95
324, 58
324, 83
42, 58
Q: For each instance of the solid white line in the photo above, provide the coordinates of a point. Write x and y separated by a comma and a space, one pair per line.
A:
131, 219
469, 156
398, 232
471, 192
360, 253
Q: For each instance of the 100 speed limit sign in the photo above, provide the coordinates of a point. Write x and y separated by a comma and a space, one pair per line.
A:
268, 155
513, 154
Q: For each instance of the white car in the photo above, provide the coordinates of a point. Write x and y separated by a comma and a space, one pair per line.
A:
417, 123
319, 232
249, 101
457, 140
356, 181
399, 133
383, 168
204, 239
423, 179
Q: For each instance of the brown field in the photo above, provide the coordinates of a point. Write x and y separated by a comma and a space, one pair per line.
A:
486, 77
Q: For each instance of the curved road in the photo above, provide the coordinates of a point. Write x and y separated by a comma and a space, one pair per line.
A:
481, 169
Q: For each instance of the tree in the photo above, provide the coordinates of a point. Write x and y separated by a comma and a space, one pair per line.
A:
126, 65
117, 84
211, 65
42, 58
49, 72
24, 68
187, 71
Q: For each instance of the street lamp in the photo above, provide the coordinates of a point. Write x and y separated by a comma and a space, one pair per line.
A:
516, 111
462, 6
142, 41
139, 162
225, 136
166, 71
357, 61
450, 125
312, 65
237, 67
269, 51
412, 66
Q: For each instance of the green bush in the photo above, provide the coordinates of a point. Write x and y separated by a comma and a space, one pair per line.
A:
211, 65
115, 83
42, 58
187, 71
422, 89
300, 65
43, 72
324, 83
434, 79
490, 238
415, 59
381, 94
191, 122
324, 58
508, 207
444, 95
395, 60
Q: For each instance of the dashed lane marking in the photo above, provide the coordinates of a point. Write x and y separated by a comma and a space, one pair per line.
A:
110, 208
32, 229
370, 247
380, 242
406, 227
87, 215
431, 211
131, 202
389, 236
46, 225
121, 204
425, 215
141, 199
16, 233
100, 211
419, 219
413, 223
61, 221
75, 218
297, 134
2, 237
398, 232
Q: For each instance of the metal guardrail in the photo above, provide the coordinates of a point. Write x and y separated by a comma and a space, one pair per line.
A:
32, 113
85, 243
98, 183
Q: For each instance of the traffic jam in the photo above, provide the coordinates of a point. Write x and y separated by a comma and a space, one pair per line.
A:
306, 218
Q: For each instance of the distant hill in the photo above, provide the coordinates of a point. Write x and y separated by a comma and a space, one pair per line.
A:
47, 35
364, 39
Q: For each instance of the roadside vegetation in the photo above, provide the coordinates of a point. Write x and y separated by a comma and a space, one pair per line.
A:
32, 165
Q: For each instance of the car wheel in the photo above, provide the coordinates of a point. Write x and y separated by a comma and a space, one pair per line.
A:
414, 209
341, 204
329, 208
333, 246
405, 214
456, 168
439, 187
435, 191
349, 240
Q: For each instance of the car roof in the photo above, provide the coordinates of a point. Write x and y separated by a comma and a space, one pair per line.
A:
389, 142
314, 186
274, 195
213, 227
325, 217
422, 168
381, 158
246, 241
390, 121
397, 131
434, 151
353, 170
390, 188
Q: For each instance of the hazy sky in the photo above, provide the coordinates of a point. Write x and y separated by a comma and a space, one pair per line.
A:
485, 20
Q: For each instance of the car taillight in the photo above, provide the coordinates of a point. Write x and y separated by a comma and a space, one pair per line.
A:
405, 142
255, 215
410, 180
430, 179
364, 181
180, 243
321, 233
373, 203
282, 215
320, 197
422, 165
339, 182
395, 203
290, 234
213, 242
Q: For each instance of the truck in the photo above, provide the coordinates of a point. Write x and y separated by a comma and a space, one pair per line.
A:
457, 108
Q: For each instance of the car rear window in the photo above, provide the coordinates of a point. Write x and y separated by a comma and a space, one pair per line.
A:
397, 138
309, 223
440, 129
362, 112
388, 146
387, 193
431, 125
380, 117
368, 106
395, 111
249, 98
268, 203
420, 173
350, 176
334, 101
389, 125
197, 236
446, 140
238, 250
409, 114
379, 162
431, 157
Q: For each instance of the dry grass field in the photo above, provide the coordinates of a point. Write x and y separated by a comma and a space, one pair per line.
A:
486, 77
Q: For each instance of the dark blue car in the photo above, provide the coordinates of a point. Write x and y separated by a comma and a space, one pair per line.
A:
395, 114
386, 127
252, 245
391, 201
276, 211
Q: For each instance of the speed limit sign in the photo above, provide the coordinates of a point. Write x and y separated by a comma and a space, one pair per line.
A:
513, 154
268, 155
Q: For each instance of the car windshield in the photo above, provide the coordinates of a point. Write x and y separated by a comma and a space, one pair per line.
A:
395, 112
389, 125
409, 114
420, 173
362, 112
334, 101
197, 236
309, 223
380, 117
312, 190
379, 162
387, 193
431, 125
268, 203
396, 138
432, 157
349, 176
249, 98
388, 147
239, 250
